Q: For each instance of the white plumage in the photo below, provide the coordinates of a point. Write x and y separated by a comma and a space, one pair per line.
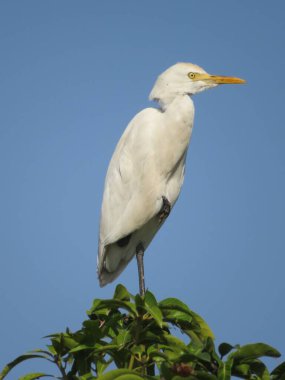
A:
147, 166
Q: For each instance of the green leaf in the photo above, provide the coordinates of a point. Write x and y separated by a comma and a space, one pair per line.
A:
201, 375
176, 312
202, 330
112, 304
106, 348
174, 304
165, 371
138, 351
18, 360
40, 351
254, 351
158, 356
34, 376
82, 347
205, 329
139, 301
279, 372
121, 374
241, 370
92, 332
177, 316
54, 335
68, 342
101, 365
225, 369
176, 344
96, 348
121, 293
152, 308
190, 356
152, 337
193, 336
51, 349
123, 337
87, 376
259, 368
97, 309
150, 299
131, 377
225, 348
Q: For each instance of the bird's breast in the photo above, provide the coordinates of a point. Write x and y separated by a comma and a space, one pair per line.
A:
174, 136
171, 144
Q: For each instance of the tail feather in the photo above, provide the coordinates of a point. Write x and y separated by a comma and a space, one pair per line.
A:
113, 259
106, 277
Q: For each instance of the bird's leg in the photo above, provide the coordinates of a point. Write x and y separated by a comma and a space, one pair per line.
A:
139, 255
165, 209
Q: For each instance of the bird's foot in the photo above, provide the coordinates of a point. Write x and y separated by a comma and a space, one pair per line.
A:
165, 209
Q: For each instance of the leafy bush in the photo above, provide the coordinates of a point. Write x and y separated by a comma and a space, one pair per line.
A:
133, 333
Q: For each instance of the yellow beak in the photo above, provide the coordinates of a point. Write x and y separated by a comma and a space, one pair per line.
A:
219, 79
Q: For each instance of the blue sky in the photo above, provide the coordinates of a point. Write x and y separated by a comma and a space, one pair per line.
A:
72, 76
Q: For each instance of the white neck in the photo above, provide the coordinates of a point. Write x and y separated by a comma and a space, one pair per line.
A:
181, 108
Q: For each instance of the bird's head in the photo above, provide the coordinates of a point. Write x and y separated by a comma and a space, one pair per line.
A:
186, 79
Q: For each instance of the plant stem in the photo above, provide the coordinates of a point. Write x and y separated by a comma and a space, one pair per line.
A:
57, 361
131, 363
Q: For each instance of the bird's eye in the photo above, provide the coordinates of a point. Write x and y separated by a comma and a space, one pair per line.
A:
191, 75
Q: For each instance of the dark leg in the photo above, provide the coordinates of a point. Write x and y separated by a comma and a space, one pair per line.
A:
165, 209
139, 255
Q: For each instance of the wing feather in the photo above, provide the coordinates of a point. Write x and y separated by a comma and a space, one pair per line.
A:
130, 198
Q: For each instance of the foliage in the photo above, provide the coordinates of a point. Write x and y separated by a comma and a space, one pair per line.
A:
133, 334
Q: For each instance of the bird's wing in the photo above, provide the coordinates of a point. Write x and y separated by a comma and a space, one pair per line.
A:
129, 194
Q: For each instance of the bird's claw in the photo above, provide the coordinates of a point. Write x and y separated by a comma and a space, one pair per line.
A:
165, 209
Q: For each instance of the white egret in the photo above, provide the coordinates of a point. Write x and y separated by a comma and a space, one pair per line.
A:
146, 171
